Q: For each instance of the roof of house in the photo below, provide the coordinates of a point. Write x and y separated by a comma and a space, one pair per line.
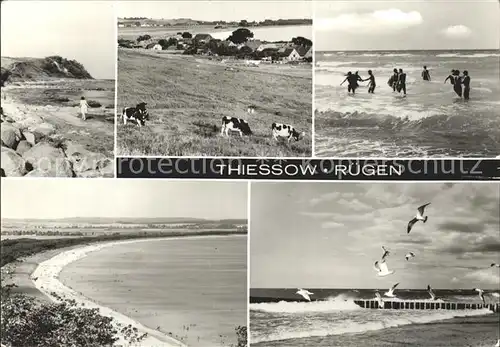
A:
254, 44
269, 45
301, 50
151, 45
202, 36
288, 51
271, 50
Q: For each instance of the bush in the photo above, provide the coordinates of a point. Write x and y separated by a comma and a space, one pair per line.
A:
143, 38
186, 35
94, 104
241, 333
27, 322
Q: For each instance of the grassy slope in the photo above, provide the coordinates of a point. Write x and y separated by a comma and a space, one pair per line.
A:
187, 98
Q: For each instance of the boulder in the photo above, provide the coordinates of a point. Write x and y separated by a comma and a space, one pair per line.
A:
32, 138
49, 159
90, 174
23, 147
13, 165
83, 159
29, 121
44, 129
10, 135
107, 170
38, 173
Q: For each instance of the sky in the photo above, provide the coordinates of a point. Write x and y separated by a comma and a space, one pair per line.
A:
81, 30
398, 25
329, 235
62, 198
255, 10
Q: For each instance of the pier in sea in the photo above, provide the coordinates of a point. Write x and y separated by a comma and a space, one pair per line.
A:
427, 305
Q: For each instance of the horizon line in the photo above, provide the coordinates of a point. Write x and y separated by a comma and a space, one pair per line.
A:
409, 50
59, 218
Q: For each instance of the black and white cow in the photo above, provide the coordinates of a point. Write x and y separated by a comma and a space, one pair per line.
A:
235, 124
138, 114
287, 131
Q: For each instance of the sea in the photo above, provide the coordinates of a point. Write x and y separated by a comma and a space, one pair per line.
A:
279, 318
270, 33
193, 289
432, 121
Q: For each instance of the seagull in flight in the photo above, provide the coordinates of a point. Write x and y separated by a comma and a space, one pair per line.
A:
481, 294
390, 292
431, 293
409, 255
305, 294
382, 269
380, 300
418, 217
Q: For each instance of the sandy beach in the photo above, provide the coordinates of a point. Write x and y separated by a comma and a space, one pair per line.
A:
45, 279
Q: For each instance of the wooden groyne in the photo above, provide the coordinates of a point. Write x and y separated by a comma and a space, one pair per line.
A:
427, 305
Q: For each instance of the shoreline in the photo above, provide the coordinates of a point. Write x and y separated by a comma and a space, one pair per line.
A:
47, 282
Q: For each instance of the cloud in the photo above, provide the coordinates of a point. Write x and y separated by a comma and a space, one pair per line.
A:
484, 276
485, 244
331, 225
477, 227
457, 32
373, 22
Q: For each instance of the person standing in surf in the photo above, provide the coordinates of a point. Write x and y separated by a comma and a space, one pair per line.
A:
83, 107
466, 83
393, 81
358, 78
352, 82
426, 75
450, 77
371, 84
401, 86
457, 83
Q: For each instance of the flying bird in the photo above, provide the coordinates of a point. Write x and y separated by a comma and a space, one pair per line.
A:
386, 253
382, 269
390, 292
495, 265
305, 294
431, 293
409, 255
481, 294
379, 300
418, 217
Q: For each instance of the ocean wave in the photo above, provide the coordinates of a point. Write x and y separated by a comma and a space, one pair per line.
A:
346, 326
341, 302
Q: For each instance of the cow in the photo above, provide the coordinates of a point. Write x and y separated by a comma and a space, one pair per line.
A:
137, 113
235, 124
251, 109
286, 130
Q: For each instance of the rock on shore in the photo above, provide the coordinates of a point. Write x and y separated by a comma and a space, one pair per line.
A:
30, 147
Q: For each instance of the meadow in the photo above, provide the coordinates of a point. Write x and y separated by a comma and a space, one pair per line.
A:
187, 97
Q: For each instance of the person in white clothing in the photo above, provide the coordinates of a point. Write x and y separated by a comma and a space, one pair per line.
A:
83, 107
